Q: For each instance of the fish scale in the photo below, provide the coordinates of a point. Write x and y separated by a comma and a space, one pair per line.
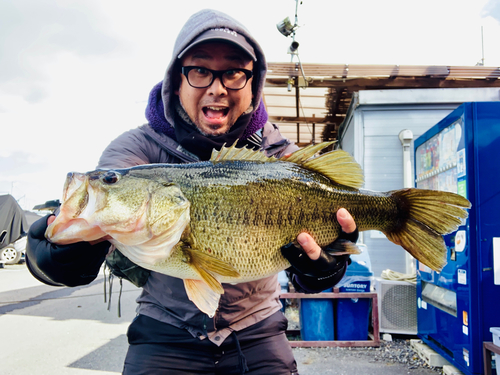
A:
247, 229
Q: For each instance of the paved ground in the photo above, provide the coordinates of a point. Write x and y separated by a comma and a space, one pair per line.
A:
61, 330
56, 331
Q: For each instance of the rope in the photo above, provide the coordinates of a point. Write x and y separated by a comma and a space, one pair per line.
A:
110, 289
242, 361
110, 278
398, 276
104, 272
120, 299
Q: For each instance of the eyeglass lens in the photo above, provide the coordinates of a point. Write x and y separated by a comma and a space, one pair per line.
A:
232, 79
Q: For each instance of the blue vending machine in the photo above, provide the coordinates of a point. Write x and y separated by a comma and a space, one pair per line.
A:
457, 306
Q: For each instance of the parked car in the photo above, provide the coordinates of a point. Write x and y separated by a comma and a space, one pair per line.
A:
13, 228
14, 252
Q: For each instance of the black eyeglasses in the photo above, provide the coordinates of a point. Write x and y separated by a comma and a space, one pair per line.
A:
232, 79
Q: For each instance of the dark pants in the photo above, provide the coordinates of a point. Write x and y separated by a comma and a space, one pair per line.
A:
183, 354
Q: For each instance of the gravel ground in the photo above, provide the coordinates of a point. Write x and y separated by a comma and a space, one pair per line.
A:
392, 357
395, 357
400, 351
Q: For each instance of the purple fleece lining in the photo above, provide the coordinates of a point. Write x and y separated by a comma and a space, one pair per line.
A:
257, 122
156, 118
155, 114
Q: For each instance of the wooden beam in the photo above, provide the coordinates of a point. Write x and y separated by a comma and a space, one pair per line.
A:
488, 348
293, 106
356, 71
286, 95
356, 84
291, 119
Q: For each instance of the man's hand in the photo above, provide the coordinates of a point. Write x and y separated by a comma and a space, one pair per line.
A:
315, 269
58, 265
51, 219
311, 247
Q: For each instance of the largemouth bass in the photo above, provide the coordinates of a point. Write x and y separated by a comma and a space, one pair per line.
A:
225, 220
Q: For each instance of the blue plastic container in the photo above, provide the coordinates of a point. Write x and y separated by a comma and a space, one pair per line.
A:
316, 319
352, 316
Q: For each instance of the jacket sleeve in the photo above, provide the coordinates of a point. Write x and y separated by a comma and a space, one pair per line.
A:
132, 148
62, 265
273, 142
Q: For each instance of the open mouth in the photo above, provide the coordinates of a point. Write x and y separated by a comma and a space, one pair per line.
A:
215, 113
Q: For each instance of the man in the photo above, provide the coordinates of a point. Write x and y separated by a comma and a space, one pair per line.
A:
211, 95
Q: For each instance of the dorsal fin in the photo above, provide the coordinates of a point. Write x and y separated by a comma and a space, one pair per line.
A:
242, 154
300, 156
338, 165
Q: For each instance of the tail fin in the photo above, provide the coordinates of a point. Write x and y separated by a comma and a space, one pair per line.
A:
427, 215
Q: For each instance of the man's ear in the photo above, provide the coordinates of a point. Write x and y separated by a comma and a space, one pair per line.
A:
177, 85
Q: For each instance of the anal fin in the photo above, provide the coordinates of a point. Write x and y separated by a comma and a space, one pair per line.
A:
202, 295
205, 293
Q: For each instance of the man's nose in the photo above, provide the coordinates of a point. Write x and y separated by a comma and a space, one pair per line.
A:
217, 88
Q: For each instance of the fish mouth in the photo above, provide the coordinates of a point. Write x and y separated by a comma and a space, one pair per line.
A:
61, 231
70, 224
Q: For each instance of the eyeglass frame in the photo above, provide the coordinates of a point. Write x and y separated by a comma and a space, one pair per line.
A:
216, 74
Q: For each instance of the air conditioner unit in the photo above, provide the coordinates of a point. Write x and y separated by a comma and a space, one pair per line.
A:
397, 306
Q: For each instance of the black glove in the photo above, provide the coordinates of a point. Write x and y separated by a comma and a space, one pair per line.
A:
313, 276
62, 265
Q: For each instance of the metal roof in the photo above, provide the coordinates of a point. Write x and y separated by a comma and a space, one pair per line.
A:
316, 111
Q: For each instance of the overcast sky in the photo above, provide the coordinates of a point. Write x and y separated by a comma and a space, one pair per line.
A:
76, 74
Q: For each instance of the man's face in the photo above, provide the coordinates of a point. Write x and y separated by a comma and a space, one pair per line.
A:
215, 109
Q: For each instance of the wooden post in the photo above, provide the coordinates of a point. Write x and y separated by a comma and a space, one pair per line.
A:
313, 141
488, 348
297, 109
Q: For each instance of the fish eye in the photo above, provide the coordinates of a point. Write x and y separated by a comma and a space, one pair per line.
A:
110, 177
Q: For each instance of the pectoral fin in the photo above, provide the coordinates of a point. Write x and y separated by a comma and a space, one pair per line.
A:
204, 262
343, 247
202, 296
209, 267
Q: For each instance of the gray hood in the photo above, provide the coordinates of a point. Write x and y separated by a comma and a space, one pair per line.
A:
198, 23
